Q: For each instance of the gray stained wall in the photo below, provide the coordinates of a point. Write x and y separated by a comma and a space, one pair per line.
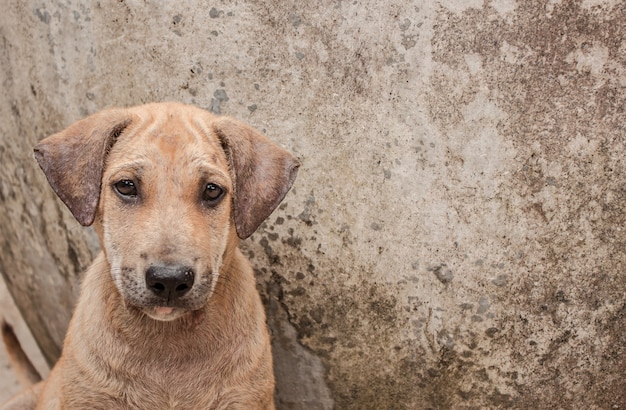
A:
456, 235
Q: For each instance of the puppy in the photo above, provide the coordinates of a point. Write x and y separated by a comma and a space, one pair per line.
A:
168, 316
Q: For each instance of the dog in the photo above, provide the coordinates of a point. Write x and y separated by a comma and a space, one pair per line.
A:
168, 315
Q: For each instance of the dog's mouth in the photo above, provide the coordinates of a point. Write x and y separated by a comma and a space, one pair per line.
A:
164, 310
164, 313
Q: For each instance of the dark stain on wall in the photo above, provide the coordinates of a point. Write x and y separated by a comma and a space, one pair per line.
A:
556, 74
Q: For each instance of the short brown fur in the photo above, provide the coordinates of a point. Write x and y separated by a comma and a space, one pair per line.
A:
126, 348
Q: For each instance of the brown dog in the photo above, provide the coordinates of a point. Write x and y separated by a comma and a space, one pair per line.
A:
169, 316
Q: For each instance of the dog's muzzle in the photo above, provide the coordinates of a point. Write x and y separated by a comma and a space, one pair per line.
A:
169, 282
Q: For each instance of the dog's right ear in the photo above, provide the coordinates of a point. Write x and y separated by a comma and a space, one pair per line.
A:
73, 160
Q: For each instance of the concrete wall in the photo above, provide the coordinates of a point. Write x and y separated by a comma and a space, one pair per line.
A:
456, 235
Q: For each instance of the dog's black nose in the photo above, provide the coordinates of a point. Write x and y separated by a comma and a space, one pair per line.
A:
169, 281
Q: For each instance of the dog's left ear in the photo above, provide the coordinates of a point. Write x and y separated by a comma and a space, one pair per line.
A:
262, 173
73, 160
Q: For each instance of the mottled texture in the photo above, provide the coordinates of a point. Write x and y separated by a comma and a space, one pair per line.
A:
455, 238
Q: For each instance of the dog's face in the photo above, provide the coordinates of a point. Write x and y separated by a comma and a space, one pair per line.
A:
170, 188
165, 212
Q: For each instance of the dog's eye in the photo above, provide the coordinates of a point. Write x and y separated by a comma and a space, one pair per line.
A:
125, 187
212, 193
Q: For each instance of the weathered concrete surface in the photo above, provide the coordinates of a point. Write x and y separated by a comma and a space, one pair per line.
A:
456, 236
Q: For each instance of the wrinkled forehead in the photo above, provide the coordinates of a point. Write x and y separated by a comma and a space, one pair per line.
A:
169, 139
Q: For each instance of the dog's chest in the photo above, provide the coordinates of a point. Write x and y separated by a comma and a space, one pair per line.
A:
179, 385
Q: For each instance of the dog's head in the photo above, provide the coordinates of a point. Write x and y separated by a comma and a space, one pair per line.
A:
170, 187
